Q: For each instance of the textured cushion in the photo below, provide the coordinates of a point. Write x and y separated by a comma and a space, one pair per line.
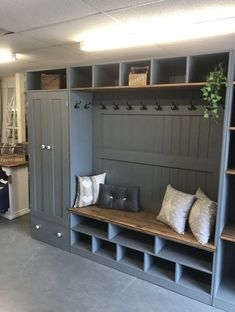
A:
117, 197
88, 190
175, 209
202, 217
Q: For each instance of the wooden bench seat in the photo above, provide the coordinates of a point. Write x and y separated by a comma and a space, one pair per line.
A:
142, 221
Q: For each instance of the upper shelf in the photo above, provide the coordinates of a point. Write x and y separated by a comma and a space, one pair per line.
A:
148, 87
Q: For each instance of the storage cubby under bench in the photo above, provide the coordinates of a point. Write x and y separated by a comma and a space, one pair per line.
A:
138, 244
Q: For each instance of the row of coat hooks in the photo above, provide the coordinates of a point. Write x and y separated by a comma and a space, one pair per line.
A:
129, 107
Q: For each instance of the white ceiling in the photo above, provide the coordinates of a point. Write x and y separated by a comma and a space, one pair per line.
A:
45, 31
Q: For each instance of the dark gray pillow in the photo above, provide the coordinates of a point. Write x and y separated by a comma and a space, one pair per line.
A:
118, 197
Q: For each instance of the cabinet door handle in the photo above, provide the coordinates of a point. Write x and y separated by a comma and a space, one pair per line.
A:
48, 147
58, 234
43, 146
37, 227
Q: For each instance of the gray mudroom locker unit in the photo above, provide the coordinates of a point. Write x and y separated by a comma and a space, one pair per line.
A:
148, 136
49, 166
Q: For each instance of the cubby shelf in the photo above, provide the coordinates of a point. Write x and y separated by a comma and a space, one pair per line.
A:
195, 280
182, 85
200, 260
228, 233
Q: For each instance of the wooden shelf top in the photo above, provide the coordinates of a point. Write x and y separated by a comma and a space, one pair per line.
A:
232, 128
230, 171
12, 165
142, 221
229, 233
148, 87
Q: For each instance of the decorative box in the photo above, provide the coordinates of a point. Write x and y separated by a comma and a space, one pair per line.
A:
49, 82
138, 76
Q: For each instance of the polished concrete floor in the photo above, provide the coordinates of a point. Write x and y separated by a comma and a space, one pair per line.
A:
35, 277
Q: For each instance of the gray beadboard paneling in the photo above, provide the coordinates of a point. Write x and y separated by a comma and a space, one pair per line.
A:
151, 149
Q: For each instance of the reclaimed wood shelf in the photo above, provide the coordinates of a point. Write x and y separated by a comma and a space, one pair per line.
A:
230, 171
144, 222
232, 128
228, 233
182, 85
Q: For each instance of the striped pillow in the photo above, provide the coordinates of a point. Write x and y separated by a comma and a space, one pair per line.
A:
88, 189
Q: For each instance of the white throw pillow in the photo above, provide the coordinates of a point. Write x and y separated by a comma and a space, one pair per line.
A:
175, 209
88, 190
202, 217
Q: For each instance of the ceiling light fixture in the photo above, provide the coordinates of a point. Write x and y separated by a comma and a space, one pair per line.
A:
193, 25
7, 56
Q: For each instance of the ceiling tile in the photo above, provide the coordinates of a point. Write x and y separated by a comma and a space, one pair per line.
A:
18, 15
69, 31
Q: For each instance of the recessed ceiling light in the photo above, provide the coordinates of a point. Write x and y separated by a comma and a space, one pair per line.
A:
7, 56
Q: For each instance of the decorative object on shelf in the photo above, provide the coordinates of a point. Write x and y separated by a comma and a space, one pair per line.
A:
211, 92
88, 189
118, 197
175, 209
138, 76
202, 217
50, 81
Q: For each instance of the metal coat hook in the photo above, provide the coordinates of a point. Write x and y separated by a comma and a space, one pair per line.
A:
115, 106
87, 105
192, 107
102, 106
158, 107
143, 106
128, 106
174, 107
77, 105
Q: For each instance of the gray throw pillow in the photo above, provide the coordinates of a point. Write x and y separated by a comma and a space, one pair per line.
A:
175, 209
88, 190
202, 217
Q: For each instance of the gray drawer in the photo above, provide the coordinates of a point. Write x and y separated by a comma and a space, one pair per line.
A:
50, 233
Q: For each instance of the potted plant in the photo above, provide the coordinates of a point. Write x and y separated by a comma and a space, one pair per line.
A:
211, 92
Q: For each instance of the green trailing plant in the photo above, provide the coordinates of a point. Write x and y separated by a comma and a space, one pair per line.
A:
211, 92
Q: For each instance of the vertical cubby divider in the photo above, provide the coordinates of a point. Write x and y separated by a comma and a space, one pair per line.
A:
179, 269
159, 244
113, 230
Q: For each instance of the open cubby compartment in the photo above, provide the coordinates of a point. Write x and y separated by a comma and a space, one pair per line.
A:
130, 257
171, 70
34, 78
132, 239
104, 248
193, 279
106, 75
199, 66
159, 267
125, 70
89, 226
81, 241
81, 77
193, 257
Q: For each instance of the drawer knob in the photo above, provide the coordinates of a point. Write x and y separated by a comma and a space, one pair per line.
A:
43, 146
37, 226
58, 234
48, 147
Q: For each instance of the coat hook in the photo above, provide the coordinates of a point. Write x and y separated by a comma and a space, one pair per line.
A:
77, 105
87, 105
143, 106
102, 106
158, 106
128, 106
192, 107
115, 106
174, 107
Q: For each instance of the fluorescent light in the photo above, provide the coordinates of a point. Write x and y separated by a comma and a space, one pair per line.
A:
192, 25
7, 56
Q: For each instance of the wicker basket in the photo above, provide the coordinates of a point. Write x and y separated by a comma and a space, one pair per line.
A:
138, 76
11, 159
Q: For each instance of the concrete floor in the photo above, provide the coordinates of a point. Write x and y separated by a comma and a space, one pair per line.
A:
35, 277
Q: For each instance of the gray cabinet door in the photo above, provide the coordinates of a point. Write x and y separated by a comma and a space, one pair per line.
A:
49, 155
